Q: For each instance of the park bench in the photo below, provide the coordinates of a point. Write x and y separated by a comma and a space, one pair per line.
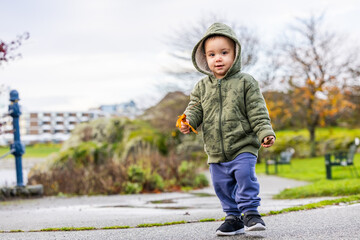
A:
283, 158
342, 158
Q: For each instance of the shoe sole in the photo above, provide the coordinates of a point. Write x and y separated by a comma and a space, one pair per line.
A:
256, 227
220, 233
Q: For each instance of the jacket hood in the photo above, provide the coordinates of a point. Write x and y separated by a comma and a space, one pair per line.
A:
198, 55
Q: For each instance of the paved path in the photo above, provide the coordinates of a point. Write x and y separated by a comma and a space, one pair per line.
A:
131, 210
339, 222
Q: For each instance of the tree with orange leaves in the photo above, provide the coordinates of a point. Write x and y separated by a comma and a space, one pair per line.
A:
317, 68
279, 106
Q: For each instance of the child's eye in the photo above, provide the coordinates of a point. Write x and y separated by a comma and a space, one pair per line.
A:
211, 54
224, 52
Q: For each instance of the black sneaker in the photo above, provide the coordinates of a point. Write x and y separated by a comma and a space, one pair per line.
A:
232, 226
253, 221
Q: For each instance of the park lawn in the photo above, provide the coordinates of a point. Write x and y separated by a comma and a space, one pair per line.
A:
323, 188
309, 169
313, 170
35, 151
322, 133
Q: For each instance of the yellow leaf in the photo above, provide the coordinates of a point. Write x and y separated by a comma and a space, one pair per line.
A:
182, 118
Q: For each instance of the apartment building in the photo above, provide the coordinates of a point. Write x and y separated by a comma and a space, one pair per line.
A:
53, 126
46, 126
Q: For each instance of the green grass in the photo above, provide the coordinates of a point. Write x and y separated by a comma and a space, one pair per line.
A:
174, 223
116, 227
344, 187
35, 151
322, 132
207, 220
327, 139
313, 170
310, 169
346, 200
144, 225
67, 229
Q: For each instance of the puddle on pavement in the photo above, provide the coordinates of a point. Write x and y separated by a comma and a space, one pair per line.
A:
150, 204
174, 208
162, 201
154, 207
200, 194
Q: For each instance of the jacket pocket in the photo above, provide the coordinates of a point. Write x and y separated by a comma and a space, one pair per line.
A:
211, 141
246, 126
234, 137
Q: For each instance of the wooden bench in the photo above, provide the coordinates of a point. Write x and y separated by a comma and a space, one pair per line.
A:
283, 158
342, 158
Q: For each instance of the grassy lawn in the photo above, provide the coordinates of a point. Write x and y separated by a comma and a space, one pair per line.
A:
310, 169
322, 133
313, 170
34, 151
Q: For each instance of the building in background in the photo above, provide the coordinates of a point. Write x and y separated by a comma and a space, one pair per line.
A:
126, 109
41, 127
38, 127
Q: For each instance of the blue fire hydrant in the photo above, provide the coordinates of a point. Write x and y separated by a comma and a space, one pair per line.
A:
17, 148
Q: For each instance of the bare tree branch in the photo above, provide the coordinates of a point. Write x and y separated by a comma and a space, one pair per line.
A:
7, 50
183, 39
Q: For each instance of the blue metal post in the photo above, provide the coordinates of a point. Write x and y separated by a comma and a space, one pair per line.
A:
17, 147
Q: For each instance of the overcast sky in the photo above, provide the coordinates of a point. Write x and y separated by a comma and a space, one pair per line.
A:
86, 53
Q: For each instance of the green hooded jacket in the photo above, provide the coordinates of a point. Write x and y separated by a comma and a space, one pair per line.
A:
232, 110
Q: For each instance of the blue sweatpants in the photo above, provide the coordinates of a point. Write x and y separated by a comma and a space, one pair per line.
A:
236, 185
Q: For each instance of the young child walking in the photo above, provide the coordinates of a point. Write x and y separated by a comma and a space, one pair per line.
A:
235, 123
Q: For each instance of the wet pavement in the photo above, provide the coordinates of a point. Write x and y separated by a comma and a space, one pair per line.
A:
336, 222
132, 210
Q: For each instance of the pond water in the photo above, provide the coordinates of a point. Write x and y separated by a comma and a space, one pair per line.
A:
8, 171
8, 177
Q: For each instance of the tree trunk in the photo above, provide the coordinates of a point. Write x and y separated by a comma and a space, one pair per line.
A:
312, 141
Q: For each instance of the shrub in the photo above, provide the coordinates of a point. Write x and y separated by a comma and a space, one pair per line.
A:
136, 174
154, 182
201, 181
132, 188
111, 156
186, 173
188, 176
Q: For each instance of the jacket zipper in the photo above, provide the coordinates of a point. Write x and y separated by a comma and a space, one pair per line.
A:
220, 127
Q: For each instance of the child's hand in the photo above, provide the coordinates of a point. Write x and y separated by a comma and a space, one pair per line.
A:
268, 141
185, 129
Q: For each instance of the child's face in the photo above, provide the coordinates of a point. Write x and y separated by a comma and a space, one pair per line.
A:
220, 55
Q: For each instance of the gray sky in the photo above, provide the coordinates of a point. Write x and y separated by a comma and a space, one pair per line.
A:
85, 53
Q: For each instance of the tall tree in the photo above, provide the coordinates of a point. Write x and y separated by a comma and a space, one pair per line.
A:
317, 66
182, 41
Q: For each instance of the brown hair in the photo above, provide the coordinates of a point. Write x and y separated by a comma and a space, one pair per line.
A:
213, 37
